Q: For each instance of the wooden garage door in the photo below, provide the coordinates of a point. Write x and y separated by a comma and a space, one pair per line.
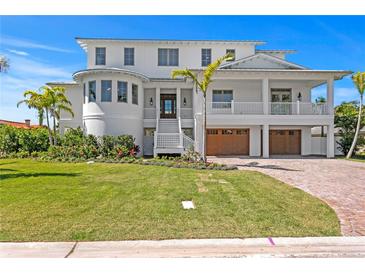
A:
227, 141
285, 142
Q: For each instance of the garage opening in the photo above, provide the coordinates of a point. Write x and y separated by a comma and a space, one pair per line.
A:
227, 141
285, 142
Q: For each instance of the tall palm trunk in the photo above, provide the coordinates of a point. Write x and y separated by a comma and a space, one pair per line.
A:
205, 129
40, 116
49, 129
54, 129
353, 145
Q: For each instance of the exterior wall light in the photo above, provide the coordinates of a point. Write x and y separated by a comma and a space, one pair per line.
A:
151, 101
184, 102
300, 96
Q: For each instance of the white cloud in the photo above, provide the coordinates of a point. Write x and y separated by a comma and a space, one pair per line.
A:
24, 74
24, 66
21, 43
18, 52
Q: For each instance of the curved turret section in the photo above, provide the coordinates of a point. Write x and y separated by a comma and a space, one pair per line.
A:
113, 102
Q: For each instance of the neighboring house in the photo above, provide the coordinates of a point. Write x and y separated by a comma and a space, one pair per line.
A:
259, 104
26, 124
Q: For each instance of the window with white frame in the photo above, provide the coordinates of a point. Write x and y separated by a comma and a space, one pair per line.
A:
206, 57
222, 98
168, 57
134, 94
100, 56
233, 54
92, 91
106, 90
122, 91
129, 56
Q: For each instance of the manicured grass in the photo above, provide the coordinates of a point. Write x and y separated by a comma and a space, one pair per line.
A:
42, 201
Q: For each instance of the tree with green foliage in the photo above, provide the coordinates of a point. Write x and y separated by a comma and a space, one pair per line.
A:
202, 85
56, 101
359, 82
346, 116
49, 102
34, 101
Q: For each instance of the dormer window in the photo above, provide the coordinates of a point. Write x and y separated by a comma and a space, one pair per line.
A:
129, 56
100, 54
232, 52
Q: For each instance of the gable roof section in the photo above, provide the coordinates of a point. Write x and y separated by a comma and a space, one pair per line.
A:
261, 61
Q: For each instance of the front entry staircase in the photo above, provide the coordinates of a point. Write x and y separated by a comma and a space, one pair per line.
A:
169, 138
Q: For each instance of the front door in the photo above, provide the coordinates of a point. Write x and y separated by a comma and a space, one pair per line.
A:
280, 101
168, 106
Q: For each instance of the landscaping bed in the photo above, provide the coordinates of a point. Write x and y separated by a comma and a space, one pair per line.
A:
53, 201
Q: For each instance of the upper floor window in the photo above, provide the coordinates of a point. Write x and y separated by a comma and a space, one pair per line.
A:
222, 98
122, 91
129, 56
206, 57
134, 94
106, 90
168, 57
92, 91
232, 52
100, 54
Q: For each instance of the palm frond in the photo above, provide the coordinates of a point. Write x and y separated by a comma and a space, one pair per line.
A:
209, 71
359, 81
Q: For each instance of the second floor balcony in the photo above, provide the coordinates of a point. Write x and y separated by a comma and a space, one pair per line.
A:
274, 108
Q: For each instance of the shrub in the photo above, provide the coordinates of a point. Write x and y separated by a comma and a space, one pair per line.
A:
192, 156
9, 141
13, 140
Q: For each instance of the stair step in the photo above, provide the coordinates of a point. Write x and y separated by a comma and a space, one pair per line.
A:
168, 126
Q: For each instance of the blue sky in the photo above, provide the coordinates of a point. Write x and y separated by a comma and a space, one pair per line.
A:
43, 48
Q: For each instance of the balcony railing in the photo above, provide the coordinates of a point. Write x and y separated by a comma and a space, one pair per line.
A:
235, 108
257, 108
298, 108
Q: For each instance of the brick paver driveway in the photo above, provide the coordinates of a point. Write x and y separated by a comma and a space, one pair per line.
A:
340, 183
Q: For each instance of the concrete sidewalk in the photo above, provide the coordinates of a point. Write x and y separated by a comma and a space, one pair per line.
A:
256, 247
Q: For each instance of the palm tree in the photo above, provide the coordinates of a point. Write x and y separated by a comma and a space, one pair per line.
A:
4, 64
203, 85
36, 100
56, 101
48, 101
321, 100
359, 82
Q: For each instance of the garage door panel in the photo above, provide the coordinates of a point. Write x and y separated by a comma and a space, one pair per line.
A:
227, 142
285, 142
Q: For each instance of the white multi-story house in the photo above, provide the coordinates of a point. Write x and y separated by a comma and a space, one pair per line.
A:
259, 104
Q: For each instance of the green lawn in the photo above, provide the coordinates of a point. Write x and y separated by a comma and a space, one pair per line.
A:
63, 201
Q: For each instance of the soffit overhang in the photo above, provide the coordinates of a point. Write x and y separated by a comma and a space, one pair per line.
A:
81, 73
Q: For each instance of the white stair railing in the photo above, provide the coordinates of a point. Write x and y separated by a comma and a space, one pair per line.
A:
168, 140
188, 143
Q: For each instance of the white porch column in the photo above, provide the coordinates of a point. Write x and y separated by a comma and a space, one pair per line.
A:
157, 103
265, 141
265, 95
330, 96
330, 141
178, 102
